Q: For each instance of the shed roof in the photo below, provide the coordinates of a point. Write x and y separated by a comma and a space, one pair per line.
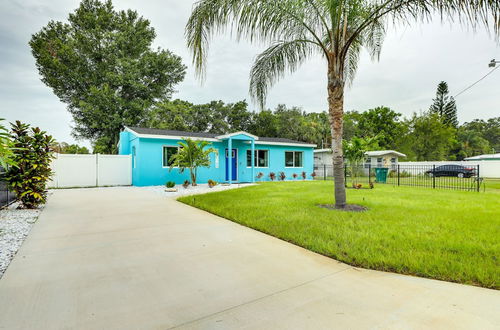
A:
485, 157
375, 153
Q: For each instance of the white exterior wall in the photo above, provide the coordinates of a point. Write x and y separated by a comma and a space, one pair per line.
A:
487, 168
91, 170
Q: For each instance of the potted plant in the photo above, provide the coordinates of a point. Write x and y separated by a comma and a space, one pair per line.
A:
304, 175
170, 186
272, 176
186, 184
260, 175
282, 176
212, 183
295, 175
313, 175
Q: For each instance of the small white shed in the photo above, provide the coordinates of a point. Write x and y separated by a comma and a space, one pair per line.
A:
378, 158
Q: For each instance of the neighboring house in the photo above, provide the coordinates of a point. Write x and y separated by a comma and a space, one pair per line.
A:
383, 158
379, 158
152, 149
485, 157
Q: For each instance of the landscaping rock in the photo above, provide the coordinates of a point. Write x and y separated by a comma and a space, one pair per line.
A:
194, 190
15, 224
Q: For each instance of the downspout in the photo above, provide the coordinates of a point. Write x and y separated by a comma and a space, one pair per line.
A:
230, 159
253, 160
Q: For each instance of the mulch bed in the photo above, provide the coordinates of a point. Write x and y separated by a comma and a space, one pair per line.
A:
348, 207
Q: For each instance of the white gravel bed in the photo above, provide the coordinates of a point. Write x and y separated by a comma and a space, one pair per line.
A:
15, 224
199, 189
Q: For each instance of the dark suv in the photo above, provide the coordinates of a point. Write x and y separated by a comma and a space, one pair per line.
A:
452, 170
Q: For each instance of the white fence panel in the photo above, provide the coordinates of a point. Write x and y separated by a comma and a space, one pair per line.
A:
114, 170
90, 170
74, 171
487, 168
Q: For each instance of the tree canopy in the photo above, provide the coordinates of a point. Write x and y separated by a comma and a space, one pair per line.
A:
101, 64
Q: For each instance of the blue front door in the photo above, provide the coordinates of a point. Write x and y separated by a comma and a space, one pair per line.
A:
234, 166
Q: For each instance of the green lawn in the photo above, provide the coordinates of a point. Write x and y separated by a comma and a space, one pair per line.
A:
447, 235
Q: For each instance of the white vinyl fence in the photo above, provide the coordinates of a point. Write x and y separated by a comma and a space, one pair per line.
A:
487, 168
91, 171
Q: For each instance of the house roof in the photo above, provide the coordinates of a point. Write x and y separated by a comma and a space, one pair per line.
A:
210, 136
375, 153
485, 157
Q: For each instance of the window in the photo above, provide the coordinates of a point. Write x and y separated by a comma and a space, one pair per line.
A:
168, 152
379, 161
293, 158
368, 162
261, 158
393, 160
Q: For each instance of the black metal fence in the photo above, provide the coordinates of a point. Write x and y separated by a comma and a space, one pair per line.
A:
453, 177
6, 197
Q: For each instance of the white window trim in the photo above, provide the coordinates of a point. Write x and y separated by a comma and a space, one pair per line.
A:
163, 154
268, 153
294, 151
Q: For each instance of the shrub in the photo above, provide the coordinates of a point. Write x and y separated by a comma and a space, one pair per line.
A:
32, 156
282, 176
295, 175
212, 183
402, 174
313, 175
304, 175
170, 184
186, 184
260, 175
272, 176
6, 144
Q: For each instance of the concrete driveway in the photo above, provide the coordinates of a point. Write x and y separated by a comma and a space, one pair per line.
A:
128, 258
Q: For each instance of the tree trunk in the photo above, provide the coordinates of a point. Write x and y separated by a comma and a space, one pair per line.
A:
193, 176
336, 116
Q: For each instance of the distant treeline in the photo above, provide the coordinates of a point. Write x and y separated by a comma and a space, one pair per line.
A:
424, 136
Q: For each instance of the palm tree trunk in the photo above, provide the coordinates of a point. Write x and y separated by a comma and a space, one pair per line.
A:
192, 171
336, 115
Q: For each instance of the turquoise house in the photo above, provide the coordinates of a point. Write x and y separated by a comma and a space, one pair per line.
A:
250, 155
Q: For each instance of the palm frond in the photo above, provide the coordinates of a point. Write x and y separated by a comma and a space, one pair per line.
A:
255, 20
272, 64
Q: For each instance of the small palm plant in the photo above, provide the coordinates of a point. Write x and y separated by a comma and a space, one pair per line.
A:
192, 154
355, 150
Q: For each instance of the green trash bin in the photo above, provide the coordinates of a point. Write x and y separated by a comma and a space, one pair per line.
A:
381, 174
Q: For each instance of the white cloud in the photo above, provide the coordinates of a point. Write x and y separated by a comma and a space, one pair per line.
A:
413, 61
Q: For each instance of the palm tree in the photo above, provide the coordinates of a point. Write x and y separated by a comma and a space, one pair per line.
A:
355, 151
192, 154
335, 29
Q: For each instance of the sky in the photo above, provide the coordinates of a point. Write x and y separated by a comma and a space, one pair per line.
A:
414, 60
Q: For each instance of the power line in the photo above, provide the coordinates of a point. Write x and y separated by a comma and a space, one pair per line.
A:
486, 75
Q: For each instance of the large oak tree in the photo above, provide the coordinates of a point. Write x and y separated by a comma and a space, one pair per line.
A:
101, 64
